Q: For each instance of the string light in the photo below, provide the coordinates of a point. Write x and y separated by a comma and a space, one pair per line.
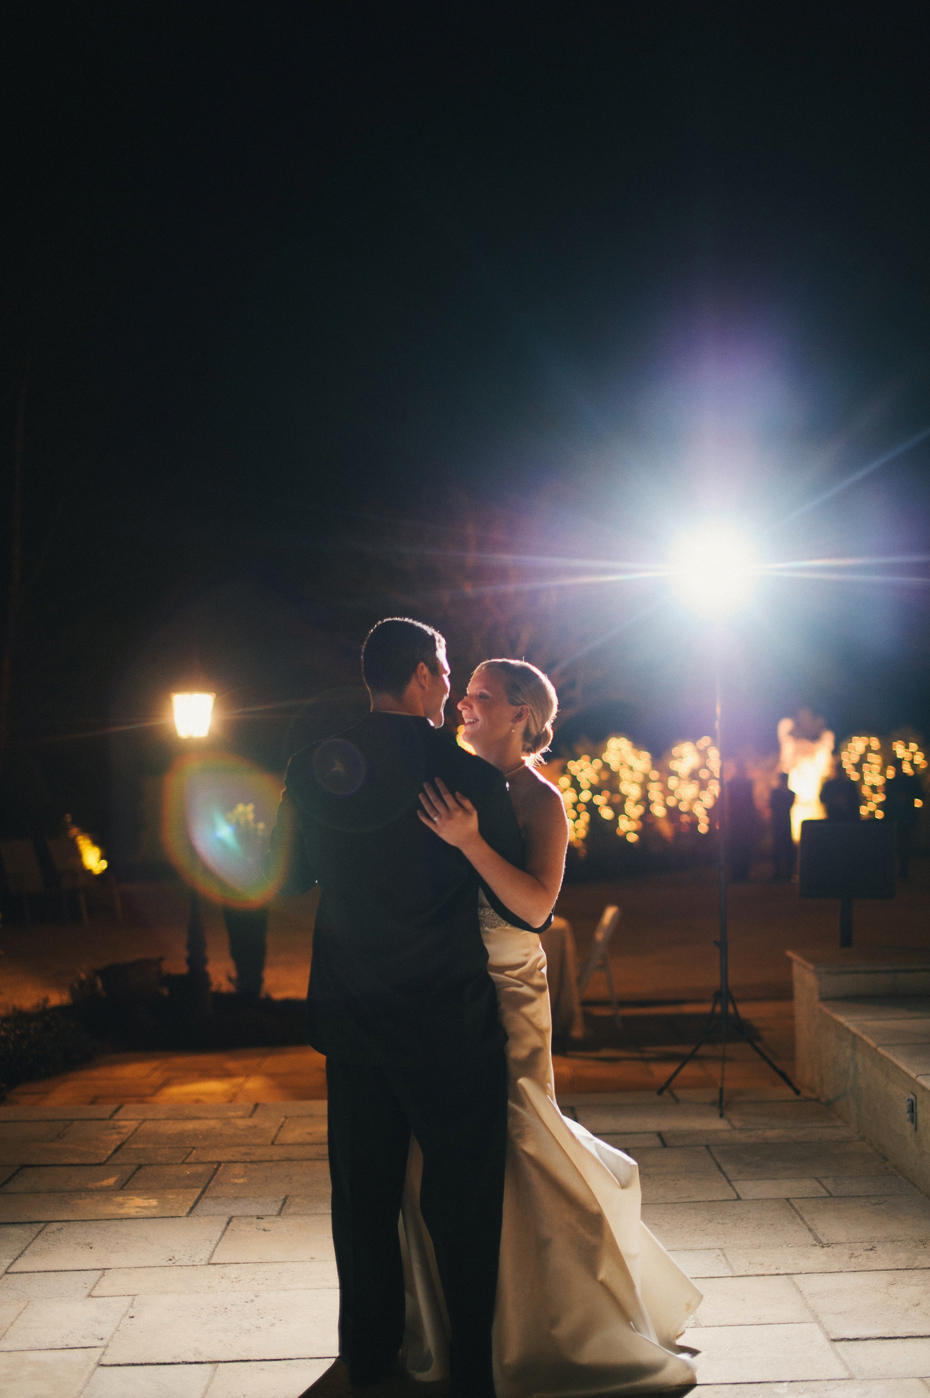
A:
693, 784
868, 761
676, 795
625, 788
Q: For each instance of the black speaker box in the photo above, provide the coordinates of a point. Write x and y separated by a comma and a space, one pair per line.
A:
847, 859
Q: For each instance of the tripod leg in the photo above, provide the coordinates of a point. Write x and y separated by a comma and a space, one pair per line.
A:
723, 1068
704, 1039
747, 1038
774, 1066
724, 1036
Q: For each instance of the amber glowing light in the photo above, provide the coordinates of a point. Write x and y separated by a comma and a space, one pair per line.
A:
192, 714
91, 854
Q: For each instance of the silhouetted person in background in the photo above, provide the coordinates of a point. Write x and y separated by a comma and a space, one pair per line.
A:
781, 800
902, 792
247, 929
741, 823
840, 798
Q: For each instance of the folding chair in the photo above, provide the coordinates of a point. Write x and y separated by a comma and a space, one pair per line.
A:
23, 872
72, 875
598, 958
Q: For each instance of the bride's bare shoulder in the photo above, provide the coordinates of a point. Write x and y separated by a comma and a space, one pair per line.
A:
542, 783
543, 794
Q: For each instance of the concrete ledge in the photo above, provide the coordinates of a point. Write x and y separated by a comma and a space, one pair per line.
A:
862, 1034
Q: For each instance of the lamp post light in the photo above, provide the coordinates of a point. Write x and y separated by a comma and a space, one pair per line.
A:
193, 713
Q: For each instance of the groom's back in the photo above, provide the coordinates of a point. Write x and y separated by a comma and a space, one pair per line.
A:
399, 967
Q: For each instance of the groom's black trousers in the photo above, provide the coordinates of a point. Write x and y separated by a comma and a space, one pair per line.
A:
458, 1114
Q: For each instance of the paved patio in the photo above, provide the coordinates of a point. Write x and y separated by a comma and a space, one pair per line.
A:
172, 1250
663, 950
652, 1041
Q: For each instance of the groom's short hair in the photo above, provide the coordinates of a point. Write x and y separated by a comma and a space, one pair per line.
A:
394, 648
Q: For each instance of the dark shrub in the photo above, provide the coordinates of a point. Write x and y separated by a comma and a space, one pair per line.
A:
41, 1044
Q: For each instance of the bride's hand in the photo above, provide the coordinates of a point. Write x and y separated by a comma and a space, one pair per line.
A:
453, 818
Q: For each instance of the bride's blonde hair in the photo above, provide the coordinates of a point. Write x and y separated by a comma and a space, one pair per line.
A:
524, 684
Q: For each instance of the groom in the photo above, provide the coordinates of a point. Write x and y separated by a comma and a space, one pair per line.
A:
402, 1005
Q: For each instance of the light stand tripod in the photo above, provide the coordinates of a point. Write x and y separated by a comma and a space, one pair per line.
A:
724, 1017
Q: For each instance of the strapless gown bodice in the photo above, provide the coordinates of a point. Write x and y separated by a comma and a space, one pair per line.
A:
588, 1301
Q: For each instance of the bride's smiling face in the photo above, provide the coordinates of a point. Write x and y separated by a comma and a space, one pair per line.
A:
488, 715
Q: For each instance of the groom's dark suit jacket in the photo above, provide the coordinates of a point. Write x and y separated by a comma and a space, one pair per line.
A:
399, 971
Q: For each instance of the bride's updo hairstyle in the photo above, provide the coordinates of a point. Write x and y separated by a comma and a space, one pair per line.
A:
524, 684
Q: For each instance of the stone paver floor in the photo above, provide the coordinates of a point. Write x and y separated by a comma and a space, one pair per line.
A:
183, 1250
652, 1041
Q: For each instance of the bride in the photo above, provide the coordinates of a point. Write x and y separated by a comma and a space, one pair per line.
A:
588, 1302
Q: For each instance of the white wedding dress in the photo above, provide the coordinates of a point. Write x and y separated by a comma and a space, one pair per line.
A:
588, 1302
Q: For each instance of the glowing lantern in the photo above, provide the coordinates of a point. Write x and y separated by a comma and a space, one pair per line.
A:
192, 714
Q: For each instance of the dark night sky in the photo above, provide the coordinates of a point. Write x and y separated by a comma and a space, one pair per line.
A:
288, 264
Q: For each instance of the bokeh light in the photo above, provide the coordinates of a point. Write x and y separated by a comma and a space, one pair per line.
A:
217, 818
868, 761
91, 854
626, 790
688, 786
612, 784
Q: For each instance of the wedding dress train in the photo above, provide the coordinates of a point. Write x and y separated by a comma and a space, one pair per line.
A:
588, 1302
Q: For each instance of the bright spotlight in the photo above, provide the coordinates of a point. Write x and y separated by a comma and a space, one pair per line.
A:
713, 568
